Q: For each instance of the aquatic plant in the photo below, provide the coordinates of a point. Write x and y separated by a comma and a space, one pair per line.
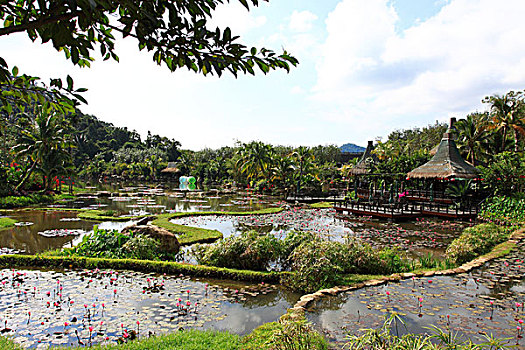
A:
383, 338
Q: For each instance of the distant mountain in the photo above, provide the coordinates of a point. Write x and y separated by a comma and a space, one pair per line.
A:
352, 148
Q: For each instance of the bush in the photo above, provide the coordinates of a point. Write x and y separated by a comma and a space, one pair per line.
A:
320, 263
141, 247
475, 241
24, 201
288, 333
504, 210
116, 245
249, 250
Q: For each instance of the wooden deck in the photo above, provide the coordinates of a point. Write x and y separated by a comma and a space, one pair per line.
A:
400, 212
391, 213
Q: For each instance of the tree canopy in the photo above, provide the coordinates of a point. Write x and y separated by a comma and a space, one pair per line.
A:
176, 32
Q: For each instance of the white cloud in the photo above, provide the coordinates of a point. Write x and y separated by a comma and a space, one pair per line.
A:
302, 21
236, 17
297, 90
439, 67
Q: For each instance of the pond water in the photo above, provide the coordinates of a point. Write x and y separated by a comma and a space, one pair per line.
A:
418, 237
143, 200
488, 300
42, 308
42, 230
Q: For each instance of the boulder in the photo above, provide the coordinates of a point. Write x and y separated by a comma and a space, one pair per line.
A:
168, 241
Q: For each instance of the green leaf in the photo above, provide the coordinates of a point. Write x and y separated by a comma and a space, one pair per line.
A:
15, 71
227, 36
69, 83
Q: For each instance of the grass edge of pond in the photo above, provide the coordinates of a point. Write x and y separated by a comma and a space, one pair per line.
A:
291, 326
98, 215
188, 235
322, 205
6, 223
168, 267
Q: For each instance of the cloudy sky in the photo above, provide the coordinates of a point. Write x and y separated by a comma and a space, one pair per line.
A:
367, 67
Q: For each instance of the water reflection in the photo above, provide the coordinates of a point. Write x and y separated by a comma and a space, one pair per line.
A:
51, 307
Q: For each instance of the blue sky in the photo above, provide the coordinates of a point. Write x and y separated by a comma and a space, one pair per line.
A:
367, 67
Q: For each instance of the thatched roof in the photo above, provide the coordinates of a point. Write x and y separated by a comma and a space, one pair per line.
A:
171, 169
363, 167
446, 163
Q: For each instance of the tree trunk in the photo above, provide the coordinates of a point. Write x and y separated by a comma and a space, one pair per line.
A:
26, 176
504, 139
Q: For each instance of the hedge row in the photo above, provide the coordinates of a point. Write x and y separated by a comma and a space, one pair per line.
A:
168, 267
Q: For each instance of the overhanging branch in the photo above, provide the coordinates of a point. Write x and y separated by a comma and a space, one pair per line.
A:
38, 23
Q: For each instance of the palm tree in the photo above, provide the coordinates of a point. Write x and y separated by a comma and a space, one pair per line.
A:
256, 160
507, 114
282, 171
304, 161
472, 135
44, 144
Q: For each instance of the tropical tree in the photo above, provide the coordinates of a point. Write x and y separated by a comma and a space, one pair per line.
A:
472, 135
282, 172
45, 145
507, 114
256, 160
304, 165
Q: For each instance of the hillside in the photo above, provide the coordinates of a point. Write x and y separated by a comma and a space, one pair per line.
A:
351, 148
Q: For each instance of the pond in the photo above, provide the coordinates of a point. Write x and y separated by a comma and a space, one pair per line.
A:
488, 300
416, 238
143, 200
42, 230
41, 308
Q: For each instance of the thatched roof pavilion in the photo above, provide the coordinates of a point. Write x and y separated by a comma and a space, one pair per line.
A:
363, 167
171, 169
447, 162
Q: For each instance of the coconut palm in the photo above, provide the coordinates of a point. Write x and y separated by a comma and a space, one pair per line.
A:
282, 171
472, 135
507, 114
44, 143
256, 159
304, 164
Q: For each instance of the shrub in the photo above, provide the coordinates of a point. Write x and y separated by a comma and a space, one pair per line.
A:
504, 210
116, 245
475, 241
249, 250
141, 247
24, 201
318, 264
290, 333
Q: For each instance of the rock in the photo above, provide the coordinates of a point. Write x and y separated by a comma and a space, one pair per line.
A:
168, 241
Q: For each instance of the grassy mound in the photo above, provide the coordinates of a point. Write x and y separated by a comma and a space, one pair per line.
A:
188, 235
6, 223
